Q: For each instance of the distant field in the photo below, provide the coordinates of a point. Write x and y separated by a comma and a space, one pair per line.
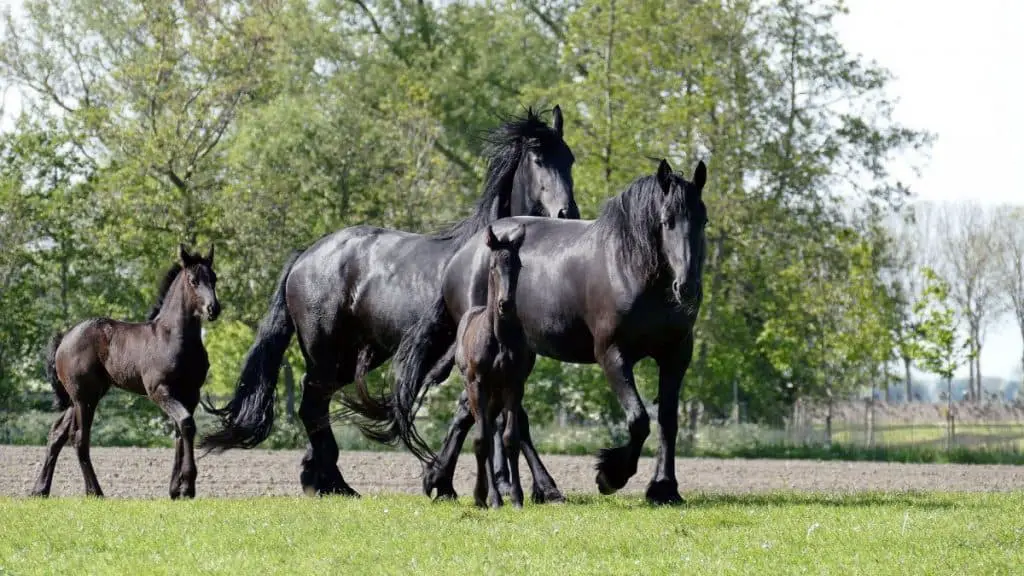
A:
1009, 436
776, 533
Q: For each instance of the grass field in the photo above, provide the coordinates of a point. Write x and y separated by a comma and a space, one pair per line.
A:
779, 533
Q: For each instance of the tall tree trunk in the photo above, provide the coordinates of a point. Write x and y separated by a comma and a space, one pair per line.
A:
906, 378
609, 111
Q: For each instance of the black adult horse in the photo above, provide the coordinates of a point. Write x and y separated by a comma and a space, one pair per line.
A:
612, 291
352, 295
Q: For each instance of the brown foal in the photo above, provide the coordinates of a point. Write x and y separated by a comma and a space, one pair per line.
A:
492, 354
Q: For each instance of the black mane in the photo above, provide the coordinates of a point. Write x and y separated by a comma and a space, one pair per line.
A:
504, 146
165, 286
634, 215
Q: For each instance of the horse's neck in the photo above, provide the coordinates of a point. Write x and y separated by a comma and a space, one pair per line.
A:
507, 331
176, 315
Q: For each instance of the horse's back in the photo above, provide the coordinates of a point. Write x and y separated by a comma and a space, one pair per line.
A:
375, 281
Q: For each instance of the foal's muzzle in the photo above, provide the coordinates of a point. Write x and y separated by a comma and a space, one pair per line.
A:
212, 311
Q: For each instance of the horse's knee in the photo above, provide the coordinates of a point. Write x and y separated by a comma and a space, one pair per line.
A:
187, 428
640, 426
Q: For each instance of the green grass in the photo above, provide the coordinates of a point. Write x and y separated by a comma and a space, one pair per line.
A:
755, 534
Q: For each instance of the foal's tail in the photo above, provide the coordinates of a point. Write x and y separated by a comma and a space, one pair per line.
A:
61, 398
249, 416
424, 358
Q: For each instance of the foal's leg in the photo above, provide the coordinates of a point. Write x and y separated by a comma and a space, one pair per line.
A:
500, 456
664, 489
314, 412
616, 465
85, 409
486, 492
59, 433
186, 424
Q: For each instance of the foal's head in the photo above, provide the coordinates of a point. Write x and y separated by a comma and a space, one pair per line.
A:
199, 283
504, 270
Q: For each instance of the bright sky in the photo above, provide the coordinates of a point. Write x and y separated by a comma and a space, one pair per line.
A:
957, 75
957, 71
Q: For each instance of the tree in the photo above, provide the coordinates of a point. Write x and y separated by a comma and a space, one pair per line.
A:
1009, 231
939, 349
970, 264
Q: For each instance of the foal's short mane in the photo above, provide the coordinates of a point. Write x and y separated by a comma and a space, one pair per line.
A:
165, 286
504, 147
634, 216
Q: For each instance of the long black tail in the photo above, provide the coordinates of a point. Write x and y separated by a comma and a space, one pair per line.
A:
61, 399
424, 358
248, 418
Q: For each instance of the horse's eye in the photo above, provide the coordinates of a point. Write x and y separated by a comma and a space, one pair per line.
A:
193, 280
670, 223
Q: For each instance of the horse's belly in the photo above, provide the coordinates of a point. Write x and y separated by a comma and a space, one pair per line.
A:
572, 343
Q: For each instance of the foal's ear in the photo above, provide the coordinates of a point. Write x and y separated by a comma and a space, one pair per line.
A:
557, 119
209, 255
517, 236
184, 256
665, 176
700, 175
492, 240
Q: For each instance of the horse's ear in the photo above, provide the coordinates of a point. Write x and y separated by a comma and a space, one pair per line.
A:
209, 255
517, 236
184, 256
557, 114
700, 175
492, 240
665, 176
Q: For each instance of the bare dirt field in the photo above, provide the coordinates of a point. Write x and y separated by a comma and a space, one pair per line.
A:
144, 473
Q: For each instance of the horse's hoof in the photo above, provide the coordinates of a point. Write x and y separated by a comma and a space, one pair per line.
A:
603, 485
549, 495
505, 488
663, 493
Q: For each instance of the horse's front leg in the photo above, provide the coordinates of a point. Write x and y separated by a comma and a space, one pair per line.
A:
185, 467
664, 489
616, 465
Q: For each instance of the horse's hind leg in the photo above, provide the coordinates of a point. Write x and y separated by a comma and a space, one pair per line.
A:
544, 488
322, 455
511, 441
59, 433
85, 409
439, 475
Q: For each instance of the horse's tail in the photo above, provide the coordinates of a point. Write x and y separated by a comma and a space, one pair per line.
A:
61, 398
424, 358
248, 417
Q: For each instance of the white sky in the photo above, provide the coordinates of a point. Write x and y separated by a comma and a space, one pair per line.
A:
957, 72
957, 69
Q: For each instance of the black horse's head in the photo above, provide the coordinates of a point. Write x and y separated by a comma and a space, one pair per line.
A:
505, 264
545, 172
683, 218
200, 283
539, 162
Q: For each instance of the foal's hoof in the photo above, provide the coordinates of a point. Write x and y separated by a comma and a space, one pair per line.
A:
663, 493
37, 493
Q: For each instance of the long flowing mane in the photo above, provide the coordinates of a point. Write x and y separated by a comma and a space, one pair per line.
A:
165, 286
633, 216
504, 147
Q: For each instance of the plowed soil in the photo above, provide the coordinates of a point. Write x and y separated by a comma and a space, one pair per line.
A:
145, 473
